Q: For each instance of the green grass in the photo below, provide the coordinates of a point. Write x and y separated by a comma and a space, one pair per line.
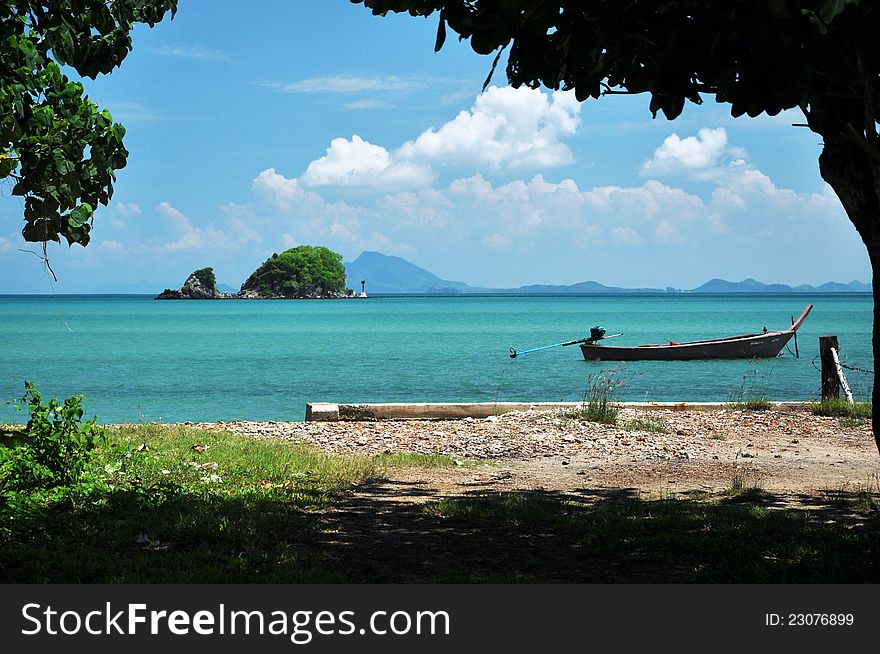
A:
646, 423
418, 460
597, 403
205, 506
840, 408
172, 504
618, 537
752, 393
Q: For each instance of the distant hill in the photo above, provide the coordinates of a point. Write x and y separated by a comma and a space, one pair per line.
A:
388, 274
580, 287
753, 286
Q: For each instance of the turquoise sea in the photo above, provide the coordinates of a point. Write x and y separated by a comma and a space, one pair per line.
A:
136, 359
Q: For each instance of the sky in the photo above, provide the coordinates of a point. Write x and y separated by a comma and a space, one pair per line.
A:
255, 127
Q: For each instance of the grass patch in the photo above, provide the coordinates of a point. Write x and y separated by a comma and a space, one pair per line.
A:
418, 460
597, 403
646, 423
840, 408
752, 393
621, 538
175, 504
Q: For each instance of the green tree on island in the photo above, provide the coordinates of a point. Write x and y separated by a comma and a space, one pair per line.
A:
759, 56
305, 271
57, 146
207, 277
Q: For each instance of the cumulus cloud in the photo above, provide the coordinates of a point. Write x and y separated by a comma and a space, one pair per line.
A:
506, 129
697, 156
190, 237
359, 163
127, 209
626, 236
500, 226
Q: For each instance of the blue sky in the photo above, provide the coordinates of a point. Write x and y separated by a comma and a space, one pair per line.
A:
254, 127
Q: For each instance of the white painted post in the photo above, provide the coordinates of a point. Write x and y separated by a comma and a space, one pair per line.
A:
849, 395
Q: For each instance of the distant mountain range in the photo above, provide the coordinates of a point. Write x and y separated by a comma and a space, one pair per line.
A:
388, 274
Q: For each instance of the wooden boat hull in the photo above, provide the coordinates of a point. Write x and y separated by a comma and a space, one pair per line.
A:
747, 346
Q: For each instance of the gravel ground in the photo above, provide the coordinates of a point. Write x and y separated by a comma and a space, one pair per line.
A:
788, 450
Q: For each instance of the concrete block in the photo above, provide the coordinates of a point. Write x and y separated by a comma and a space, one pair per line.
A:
322, 412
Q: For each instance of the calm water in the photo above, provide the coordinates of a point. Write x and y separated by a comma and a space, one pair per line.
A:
138, 359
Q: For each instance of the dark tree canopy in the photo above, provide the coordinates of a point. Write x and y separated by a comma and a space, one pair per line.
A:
301, 272
207, 277
759, 56
58, 147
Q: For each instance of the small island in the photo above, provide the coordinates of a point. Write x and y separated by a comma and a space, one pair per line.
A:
303, 272
200, 285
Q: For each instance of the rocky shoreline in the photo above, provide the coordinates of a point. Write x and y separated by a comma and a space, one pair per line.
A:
525, 434
792, 445
195, 288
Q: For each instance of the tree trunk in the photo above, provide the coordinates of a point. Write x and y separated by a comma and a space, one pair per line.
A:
852, 169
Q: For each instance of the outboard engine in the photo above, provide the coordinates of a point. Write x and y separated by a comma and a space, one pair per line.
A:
597, 333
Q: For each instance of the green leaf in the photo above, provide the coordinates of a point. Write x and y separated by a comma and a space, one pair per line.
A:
833, 8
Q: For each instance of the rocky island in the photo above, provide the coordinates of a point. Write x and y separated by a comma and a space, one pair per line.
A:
200, 285
303, 272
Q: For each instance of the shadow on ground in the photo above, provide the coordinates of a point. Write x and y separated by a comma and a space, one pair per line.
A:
393, 531
598, 535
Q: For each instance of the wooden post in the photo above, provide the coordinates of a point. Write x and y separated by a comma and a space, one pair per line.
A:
830, 381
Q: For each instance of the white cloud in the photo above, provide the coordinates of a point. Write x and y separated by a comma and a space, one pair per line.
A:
506, 129
191, 238
193, 51
697, 156
284, 192
135, 112
127, 209
177, 218
650, 200
497, 242
359, 163
348, 84
371, 103
425, 208
627, 236
737, 213
111, 246
5, 244
289, 241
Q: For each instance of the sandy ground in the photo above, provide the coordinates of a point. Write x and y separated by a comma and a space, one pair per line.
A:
787, 451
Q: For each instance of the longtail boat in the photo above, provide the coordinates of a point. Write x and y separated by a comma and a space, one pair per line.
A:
764, 344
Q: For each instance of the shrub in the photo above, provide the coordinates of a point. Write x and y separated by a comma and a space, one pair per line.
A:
54, 447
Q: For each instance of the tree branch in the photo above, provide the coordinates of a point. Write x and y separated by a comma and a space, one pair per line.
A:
852, 135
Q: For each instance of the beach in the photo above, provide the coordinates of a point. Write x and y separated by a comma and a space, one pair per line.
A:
780, 450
